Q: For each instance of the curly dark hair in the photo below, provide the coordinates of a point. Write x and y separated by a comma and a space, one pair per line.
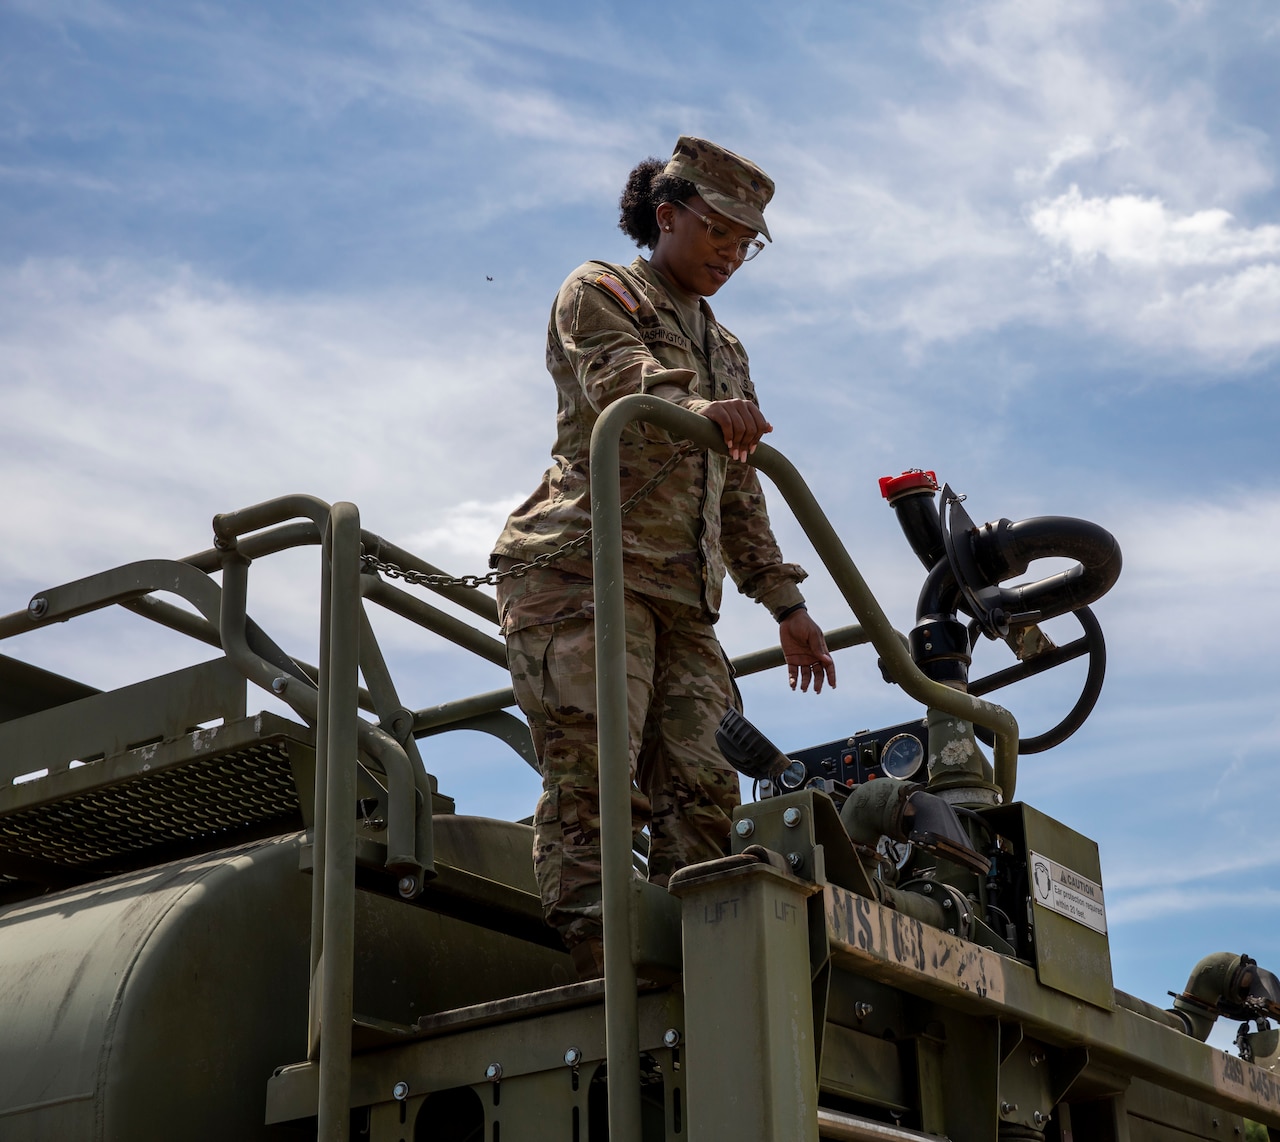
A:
647, 188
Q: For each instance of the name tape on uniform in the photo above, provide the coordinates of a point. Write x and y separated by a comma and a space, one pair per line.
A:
1056, 887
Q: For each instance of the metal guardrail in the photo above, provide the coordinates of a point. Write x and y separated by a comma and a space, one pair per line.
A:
621, 1018
328, 696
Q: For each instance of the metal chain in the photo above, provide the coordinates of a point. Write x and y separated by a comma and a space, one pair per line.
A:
422, 579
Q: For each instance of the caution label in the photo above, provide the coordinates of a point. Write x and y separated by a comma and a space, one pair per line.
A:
1056, 887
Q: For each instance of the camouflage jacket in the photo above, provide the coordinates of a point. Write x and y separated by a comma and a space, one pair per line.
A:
615, 331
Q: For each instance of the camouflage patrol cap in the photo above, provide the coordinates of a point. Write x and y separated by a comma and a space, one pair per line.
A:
729, 184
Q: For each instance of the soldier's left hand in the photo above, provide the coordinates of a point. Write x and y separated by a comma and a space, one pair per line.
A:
805, 650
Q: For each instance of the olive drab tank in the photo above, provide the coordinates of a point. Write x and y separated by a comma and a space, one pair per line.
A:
217, 923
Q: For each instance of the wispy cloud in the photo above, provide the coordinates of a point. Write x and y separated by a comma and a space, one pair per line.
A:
1167, 903
1212, 570
158, 386
947, 215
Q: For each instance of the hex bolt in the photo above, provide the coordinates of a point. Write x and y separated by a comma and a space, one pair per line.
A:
862, 1009
38, 607
927, 890
671, 1037
400, 1091
1008, 1108
572, 1057
493, 1072
745, 827
794, 860
791, 818
408, 887
279, 684
1040, 1118
947, 905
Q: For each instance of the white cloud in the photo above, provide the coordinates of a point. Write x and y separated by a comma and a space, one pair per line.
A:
1072, 149
1171, 281
465, 528
1132, 231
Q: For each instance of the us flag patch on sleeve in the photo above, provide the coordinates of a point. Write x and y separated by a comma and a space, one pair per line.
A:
615, 287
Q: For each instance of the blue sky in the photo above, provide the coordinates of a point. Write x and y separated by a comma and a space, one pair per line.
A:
245, 250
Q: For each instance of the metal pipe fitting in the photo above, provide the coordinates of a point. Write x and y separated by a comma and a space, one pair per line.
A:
1226, 984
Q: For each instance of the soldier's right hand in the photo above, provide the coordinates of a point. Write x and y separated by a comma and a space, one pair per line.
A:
741, 422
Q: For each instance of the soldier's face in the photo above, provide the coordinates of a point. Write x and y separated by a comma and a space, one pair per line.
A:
698, 249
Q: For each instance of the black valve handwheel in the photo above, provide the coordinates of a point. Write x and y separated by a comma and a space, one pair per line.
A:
1091, 643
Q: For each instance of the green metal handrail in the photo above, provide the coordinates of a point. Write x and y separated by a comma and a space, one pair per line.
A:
621, 1007
329, 696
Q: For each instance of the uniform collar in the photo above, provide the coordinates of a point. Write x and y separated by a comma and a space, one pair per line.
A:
663, 289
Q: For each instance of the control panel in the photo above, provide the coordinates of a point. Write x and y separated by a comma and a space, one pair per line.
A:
899, 752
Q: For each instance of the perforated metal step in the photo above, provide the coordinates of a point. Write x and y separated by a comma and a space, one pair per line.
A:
145, 805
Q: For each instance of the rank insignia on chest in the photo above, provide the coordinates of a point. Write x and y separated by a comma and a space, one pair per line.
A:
615, 287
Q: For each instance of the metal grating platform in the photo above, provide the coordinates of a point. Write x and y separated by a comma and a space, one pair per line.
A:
203, 798
203, 790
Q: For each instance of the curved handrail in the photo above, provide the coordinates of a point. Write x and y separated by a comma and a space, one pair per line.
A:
233, 528
621, 1009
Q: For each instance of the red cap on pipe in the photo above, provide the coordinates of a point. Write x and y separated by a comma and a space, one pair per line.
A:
913, 479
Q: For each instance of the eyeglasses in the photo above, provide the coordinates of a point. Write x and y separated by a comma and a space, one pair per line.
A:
747, 248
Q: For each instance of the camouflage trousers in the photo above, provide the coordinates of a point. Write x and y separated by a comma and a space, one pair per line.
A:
679, 685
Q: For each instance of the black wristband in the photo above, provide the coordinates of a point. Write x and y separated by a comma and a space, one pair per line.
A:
791, 610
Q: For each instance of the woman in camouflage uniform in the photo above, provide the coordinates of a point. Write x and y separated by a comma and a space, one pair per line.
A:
646, 328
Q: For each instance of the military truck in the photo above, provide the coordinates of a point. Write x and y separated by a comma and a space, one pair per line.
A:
224, 924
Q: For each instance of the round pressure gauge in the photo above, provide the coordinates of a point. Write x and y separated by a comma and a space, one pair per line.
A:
902, 756
793, 776
895, 853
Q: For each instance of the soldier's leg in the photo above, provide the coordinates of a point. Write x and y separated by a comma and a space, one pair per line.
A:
553, 674
692, 790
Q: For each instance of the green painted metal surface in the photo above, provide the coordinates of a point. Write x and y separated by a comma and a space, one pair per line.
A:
1070, 957
752, 1056
394, 980
157, 1005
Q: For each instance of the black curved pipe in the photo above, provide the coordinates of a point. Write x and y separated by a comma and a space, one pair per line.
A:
1004, 549
917, 513
940, 596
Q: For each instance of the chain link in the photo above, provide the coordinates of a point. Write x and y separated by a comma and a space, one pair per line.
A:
423, 579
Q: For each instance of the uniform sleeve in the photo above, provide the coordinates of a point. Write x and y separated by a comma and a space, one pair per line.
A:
602, 345
750, 550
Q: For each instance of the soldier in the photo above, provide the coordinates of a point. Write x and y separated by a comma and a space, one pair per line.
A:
646, 328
